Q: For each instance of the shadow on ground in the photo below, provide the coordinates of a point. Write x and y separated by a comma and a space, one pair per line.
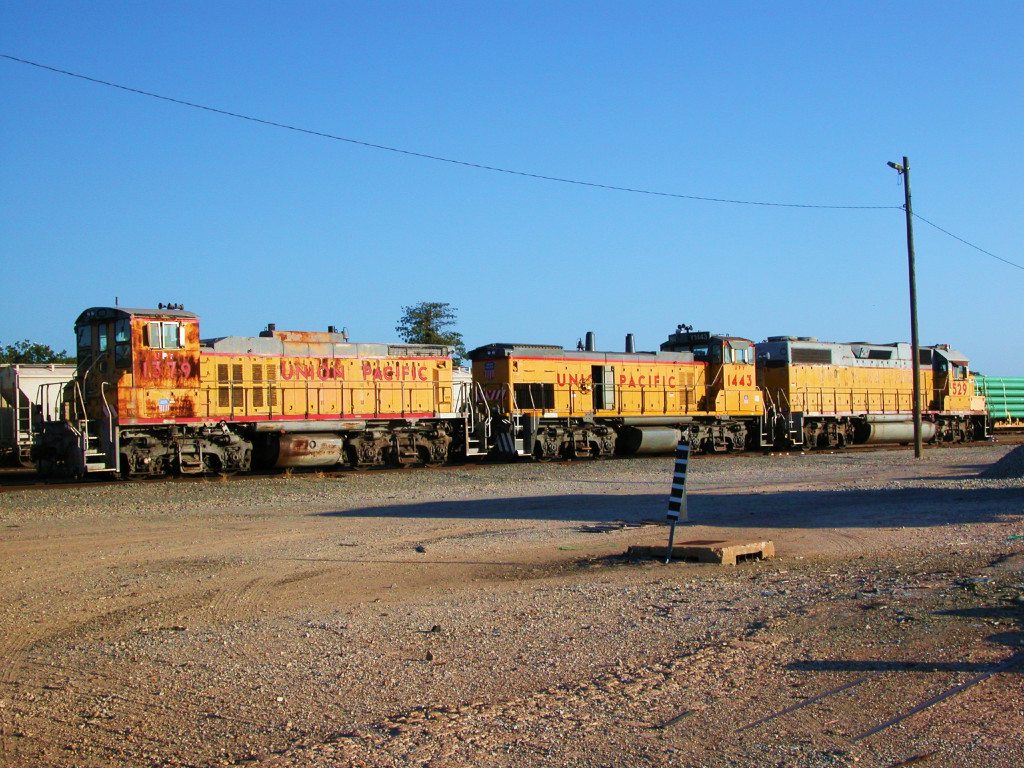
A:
905, 507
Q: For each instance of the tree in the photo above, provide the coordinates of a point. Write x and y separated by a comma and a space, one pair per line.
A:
426, 323
28, 352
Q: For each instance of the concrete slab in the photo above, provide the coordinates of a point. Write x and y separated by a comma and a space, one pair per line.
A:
723, 551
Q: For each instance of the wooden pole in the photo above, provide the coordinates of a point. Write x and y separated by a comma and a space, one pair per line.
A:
904, 170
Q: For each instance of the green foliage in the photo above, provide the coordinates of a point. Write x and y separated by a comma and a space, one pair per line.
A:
28, 352
427, 323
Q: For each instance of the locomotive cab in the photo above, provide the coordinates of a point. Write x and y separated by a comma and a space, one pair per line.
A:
731, 382
135, 366
138, 365
952, 386
954, 396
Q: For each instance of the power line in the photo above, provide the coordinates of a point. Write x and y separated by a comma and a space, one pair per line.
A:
969, 245
438, 158
480, 166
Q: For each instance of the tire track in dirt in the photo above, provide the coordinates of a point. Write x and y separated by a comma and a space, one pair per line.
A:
13, 655
707, 697
466, 733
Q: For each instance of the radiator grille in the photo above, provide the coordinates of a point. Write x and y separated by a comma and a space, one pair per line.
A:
238, 392
812, 356
223, 391
257, 385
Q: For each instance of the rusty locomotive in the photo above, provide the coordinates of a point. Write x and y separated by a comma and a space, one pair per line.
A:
150, 397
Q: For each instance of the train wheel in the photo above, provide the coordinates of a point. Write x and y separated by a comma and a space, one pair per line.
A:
427, 460
352, 454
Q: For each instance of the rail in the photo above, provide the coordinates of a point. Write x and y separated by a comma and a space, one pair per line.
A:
235, 400
781, 407
868, 400
647, 401
107, 410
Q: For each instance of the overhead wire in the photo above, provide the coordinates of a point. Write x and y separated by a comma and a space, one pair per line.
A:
427, 156
484, 167
965, 242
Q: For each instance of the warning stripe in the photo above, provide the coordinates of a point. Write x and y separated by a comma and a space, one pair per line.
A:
506, 444
678, 493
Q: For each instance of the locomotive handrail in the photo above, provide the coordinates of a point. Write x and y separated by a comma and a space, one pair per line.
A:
106, 408
80, 402
881, 400
475, 403
714, 380
783, 404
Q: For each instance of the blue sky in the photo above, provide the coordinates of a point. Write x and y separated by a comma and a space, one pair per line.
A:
105, 193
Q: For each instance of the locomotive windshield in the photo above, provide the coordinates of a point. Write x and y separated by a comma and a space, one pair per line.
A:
84, 344
702, 353
122, 343
164, 335
728, 352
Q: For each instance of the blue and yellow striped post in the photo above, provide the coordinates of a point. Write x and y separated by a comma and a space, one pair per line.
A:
677, 498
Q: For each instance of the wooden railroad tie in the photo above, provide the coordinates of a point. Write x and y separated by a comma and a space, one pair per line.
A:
720, 551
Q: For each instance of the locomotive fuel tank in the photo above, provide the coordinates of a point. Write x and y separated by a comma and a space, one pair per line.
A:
648, 440
881, 430
313, 449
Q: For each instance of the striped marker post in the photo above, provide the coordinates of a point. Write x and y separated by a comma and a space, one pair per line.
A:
677, 498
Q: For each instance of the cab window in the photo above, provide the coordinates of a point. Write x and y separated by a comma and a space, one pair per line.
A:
172, 338
102, 344
959, 372
84, 345
85, 338
164, 335
122, 343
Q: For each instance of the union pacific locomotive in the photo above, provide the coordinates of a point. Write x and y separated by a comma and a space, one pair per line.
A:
555, 402
822, 394
150, 397
722, 393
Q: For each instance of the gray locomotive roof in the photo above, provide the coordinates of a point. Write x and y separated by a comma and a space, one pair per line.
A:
276, 347
857, 352
117, 313
951, 354
504, 349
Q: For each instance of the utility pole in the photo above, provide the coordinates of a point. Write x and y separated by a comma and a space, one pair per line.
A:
904, 170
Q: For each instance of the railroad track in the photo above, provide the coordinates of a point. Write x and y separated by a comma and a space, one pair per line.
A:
20, 478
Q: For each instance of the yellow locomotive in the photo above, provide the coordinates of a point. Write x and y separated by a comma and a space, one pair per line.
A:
822, 394
150, 397
549, 402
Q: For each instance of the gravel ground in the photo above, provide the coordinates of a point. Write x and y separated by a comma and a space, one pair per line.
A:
488, 616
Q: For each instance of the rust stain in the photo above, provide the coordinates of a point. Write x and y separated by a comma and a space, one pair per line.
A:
163, 368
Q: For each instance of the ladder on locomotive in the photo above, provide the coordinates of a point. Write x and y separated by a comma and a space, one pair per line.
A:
486, 431
773, 413
94, 454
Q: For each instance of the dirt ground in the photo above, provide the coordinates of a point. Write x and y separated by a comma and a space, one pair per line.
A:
487, 616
